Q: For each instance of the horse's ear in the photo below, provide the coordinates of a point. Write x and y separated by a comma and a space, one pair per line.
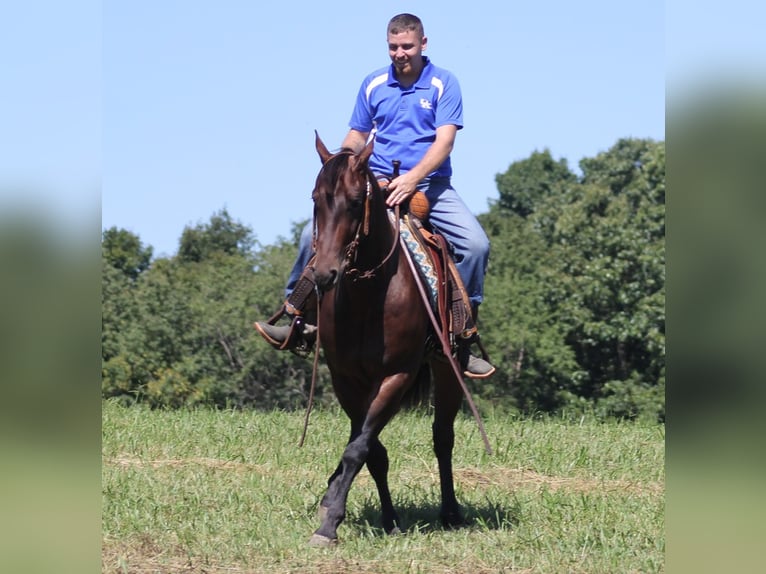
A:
365, 154
324, 153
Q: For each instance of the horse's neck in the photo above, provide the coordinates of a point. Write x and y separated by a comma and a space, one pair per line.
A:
382, 233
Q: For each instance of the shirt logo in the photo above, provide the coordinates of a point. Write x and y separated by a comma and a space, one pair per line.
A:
425, 104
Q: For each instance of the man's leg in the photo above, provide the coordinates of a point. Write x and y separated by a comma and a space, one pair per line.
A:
299, 306
452, 218
305, 253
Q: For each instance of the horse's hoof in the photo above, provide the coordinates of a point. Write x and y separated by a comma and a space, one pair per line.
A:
319, 541
453, 520
394, 531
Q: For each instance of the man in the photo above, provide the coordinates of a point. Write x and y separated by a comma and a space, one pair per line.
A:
413, 109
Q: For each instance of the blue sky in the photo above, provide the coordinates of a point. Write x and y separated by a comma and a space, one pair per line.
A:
175, 109
50, 110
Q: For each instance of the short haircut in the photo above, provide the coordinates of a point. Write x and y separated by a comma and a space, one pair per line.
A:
405, 22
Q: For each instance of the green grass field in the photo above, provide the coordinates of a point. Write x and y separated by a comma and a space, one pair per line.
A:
203, 491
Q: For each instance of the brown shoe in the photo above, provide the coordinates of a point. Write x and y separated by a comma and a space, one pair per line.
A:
473, 367
296, 335
478, 368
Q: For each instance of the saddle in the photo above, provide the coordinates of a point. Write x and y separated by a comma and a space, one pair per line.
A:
448, 296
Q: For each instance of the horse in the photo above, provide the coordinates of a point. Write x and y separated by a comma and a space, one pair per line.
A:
372, 327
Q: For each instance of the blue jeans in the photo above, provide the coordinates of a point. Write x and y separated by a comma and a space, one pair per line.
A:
304, 255
451, 218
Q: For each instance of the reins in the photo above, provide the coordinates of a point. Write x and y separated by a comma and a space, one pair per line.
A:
313, 375
446, 350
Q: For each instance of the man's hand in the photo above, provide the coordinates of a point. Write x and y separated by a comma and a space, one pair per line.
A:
401, 189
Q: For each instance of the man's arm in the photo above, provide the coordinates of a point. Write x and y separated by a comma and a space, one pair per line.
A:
405, 185
355, 140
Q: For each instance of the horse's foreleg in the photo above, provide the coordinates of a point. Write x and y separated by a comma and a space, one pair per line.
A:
333, 508
327, 498
356, 453
447, 400
377, 463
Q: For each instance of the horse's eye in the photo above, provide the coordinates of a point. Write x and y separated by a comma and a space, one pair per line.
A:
355, 205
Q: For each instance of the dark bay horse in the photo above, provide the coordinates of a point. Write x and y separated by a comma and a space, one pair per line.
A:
372, 328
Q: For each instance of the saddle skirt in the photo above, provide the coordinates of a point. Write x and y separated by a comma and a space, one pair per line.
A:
438, 274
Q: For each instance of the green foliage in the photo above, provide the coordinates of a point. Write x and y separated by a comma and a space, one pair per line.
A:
526, 337
181, 333
221, 235
573, 318
633, 398
579, 275
529, 182
124, 251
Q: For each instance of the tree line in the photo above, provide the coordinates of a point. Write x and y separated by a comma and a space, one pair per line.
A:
574, 312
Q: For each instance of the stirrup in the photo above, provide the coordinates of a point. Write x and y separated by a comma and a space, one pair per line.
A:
298, 337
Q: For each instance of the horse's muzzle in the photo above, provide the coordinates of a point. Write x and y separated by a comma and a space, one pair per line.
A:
325, 280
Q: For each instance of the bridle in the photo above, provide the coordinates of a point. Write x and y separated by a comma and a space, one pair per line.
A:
363, 230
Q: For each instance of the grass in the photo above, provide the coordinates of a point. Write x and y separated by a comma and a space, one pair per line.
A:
193, 491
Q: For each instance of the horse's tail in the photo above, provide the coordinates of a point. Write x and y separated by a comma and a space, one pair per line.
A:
418, 395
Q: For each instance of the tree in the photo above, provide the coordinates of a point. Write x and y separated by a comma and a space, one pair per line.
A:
123, 259
526, 337
610, 233
182, 334
528, 182
221, 234
124, 251
578, 269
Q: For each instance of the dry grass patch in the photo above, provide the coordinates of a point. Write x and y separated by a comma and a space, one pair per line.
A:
511, 479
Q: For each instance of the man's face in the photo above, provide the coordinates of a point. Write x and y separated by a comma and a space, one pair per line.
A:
405, 50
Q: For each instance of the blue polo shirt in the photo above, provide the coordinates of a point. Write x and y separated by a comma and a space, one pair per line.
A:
405, 119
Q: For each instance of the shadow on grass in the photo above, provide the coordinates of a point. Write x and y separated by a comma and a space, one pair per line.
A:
424, 517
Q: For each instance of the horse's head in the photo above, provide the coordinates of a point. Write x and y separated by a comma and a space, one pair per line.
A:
343, 196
